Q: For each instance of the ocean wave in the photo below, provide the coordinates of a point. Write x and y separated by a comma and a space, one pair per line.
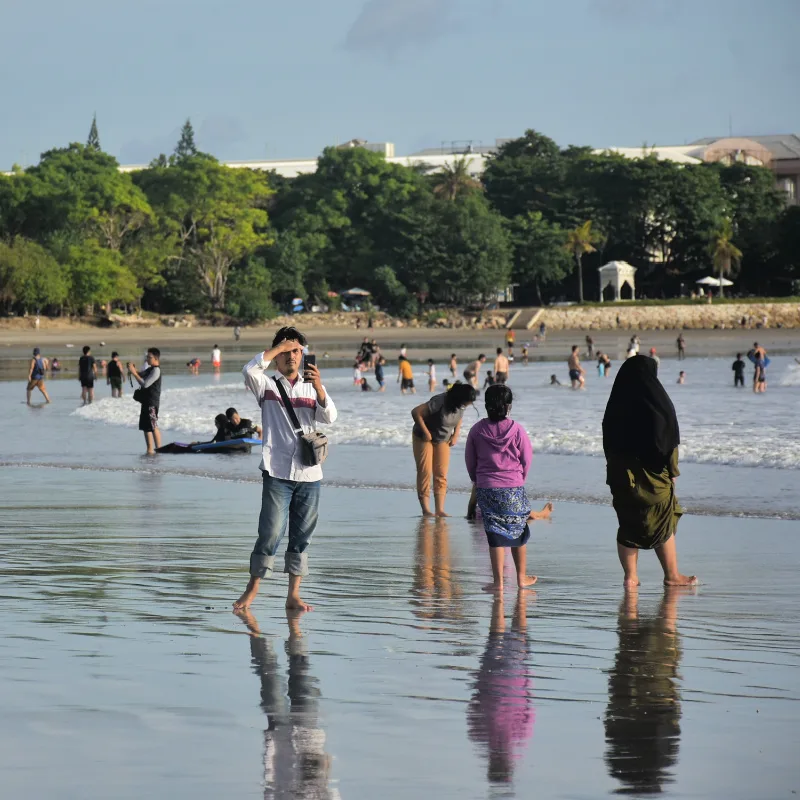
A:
719, 424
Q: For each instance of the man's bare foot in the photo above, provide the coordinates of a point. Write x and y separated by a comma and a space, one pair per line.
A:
526, 580
681, 580
441, 514
294, 603
244, 602
492, 587
426, 512
632, 583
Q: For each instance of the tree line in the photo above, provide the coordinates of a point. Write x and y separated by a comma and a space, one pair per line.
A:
190, 234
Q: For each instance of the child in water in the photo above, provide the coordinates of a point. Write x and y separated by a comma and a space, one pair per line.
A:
489, 379
498, 457
681, 378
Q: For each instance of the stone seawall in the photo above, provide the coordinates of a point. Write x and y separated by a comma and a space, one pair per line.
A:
689, 317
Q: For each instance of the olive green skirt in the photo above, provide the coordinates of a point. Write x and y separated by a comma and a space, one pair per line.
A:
646, 527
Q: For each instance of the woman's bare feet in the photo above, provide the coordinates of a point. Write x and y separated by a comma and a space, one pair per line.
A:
680, 580
526, 580
492, 587
244, 602
631, 582
441, 514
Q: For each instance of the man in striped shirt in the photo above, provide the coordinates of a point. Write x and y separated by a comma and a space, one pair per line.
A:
290, 494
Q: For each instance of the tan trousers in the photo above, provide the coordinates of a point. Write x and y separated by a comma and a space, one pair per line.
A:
432, 459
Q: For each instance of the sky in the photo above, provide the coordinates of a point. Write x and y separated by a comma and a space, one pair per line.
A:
271, 79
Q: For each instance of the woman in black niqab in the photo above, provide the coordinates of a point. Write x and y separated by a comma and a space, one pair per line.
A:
640, 441
640, 419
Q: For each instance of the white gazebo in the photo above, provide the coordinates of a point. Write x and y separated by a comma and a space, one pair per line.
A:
617, 274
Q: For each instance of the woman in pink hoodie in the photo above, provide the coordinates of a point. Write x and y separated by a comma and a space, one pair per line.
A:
498, 459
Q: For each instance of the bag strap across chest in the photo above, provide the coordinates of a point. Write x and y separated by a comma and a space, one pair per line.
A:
287, 404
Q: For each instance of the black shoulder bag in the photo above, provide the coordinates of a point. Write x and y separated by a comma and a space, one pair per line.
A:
314, 445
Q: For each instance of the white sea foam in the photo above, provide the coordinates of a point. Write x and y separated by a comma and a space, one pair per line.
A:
719, 424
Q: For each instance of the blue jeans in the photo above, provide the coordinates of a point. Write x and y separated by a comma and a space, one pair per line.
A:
292, 503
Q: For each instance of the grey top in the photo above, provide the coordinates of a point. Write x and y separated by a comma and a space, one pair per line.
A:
440, 422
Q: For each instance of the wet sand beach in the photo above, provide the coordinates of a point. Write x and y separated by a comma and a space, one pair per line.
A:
123, 672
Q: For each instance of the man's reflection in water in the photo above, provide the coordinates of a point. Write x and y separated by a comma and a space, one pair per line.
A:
642, 719
437, 594
295, 762
500, 713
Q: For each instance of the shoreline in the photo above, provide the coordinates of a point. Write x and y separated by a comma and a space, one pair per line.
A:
342, 343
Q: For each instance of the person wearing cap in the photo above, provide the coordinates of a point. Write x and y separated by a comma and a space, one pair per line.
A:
655, 358
36, 371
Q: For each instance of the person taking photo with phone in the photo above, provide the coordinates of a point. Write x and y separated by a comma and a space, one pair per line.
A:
291, 486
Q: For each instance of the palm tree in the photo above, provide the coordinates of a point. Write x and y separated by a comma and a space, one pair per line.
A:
724, 252
455, 179
580, 241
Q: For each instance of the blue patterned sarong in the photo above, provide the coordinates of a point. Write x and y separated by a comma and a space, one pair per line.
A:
505, 516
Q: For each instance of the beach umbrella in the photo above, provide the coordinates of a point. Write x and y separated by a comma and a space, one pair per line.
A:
357, 292
711, 281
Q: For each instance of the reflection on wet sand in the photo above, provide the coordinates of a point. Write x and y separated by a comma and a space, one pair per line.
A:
642, 719
500, 714
437, 593
295, 762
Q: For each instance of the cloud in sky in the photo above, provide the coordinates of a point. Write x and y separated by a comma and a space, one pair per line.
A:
391, 25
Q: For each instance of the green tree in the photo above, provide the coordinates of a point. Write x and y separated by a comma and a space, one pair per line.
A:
93, 142
454, 180
186, 147
724, 253
214, 215
98, 277
30, 276
540, 256
80, 188
527, 174
391, 294
580, 241
250, 292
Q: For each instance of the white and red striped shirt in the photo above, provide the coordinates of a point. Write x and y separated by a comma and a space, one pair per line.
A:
280, 449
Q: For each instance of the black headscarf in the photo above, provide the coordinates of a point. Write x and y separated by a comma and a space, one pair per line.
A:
640, 419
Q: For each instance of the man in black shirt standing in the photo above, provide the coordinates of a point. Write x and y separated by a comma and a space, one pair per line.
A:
738, 371
150, 382
115, 374
87, 374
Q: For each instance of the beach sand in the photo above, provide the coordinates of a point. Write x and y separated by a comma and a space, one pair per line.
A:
123, 672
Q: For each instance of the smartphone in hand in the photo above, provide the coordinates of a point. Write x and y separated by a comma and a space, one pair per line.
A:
309, 359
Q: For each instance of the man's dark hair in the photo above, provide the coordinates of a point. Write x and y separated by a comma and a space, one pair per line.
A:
221, 420
230, 412
86, 349
575, 347
291, 333
154, 351
481, 356
499, 351
738, 355
114, 354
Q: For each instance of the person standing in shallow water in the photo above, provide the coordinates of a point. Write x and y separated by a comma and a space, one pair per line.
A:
498, 458
36, 373
290, 489
437, 425
640, 441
